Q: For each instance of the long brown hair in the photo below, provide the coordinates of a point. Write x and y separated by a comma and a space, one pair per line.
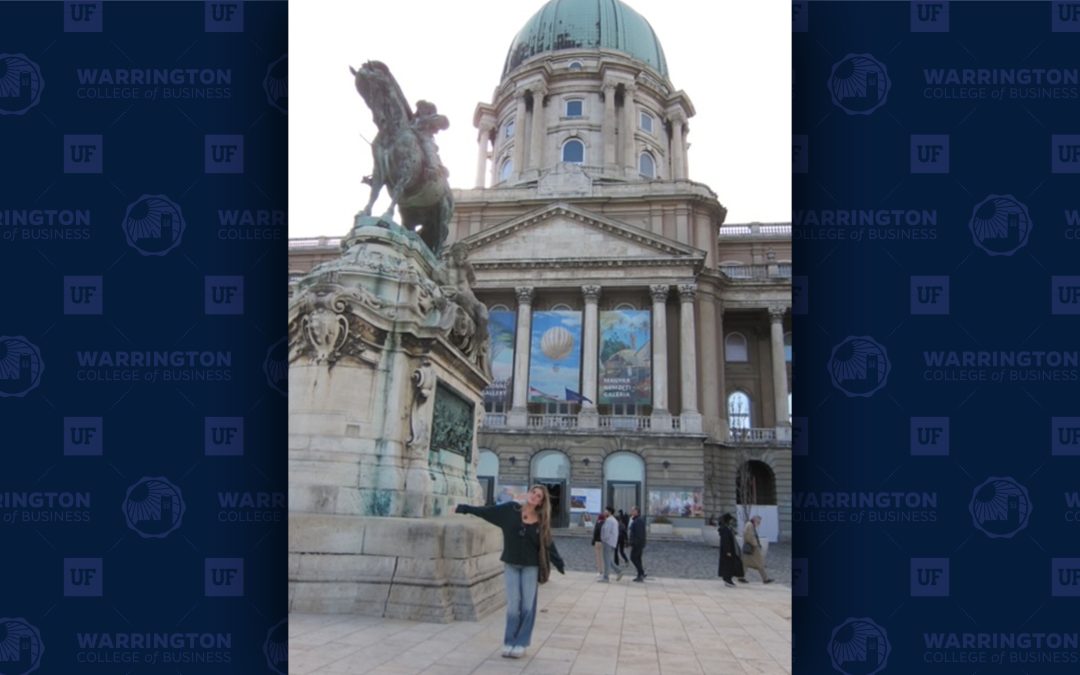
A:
544, 515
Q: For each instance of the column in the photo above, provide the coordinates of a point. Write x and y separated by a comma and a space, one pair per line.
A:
629, 128
519, 135
678, 146
661, 418
482, 151
539, 129
588, 417
691, 418
610, 137
779, 364
712, 371
518, 416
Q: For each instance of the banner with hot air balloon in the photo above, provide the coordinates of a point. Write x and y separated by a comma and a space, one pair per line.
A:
555, 356
625, 357
502, 325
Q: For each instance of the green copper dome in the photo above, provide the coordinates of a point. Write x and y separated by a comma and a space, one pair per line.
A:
587, 24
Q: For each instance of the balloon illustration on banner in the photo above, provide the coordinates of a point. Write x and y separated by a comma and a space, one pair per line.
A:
557, 344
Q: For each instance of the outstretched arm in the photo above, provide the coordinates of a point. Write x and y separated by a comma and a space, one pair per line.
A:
488, 513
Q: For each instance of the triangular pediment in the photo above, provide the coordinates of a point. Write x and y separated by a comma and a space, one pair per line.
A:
560, 231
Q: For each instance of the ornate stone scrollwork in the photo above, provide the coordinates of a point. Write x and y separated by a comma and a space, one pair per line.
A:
591, 293
423, 380
659, 292
524, 295
687, 292
326, 332
324, 327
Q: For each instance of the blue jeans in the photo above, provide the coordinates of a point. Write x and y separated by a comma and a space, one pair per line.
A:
521, 587
609, 560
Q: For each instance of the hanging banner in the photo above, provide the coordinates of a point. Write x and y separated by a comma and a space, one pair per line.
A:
501, 327
625, 357
555, 356
677, 503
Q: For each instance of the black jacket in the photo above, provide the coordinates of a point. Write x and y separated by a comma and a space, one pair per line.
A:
637, 531
596, 530
730, 561
521, 542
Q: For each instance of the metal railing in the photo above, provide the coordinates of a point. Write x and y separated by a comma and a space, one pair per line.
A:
752, 435
756, 272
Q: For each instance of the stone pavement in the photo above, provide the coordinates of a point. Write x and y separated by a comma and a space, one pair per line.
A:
664, 626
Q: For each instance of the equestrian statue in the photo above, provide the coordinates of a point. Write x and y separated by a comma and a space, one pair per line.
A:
406, 158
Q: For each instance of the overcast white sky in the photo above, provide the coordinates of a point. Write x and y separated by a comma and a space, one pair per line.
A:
732, 58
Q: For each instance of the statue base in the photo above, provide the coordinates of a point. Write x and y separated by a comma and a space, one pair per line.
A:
431, 569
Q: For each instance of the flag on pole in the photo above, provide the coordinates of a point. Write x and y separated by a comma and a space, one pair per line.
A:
572, 395
536, 393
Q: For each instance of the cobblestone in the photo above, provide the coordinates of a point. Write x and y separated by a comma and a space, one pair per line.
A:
675, 559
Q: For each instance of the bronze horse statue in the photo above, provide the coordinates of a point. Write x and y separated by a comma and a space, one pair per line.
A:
406, 159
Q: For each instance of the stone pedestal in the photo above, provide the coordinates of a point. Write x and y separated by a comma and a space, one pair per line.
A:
387, 362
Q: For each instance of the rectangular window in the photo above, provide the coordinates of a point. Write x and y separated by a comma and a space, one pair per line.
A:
575, 107
508, 129
646, 122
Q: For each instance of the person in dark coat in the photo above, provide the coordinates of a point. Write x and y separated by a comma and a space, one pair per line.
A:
730, 562
621, 548
598, 545
637, 542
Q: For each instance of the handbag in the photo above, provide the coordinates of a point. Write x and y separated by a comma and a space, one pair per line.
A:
544, 573
747, 548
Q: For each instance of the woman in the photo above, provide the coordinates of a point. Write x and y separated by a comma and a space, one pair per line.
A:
598, 546
753, 554
528, 554
730, 562
620, 549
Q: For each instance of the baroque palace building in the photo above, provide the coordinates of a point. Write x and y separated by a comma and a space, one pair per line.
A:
641, 347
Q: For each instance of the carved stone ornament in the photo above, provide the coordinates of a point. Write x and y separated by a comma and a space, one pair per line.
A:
591, 293
324, 326
524, 294
424, 381
687, 292
659, 292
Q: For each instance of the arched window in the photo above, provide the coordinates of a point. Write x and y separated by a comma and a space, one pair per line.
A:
573, 152
506, 169
575, 107
755, 483
487, 472
787, 347
624, 481
647, 165
735, 348
550, 464
575, 65
738, 404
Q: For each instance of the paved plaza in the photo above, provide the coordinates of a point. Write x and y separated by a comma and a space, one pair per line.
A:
664, 626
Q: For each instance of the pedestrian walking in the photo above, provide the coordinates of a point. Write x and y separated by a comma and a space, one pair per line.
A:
528, 554
753, 554
621, 548
598, 546
730, 562
609, 536
637, 542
